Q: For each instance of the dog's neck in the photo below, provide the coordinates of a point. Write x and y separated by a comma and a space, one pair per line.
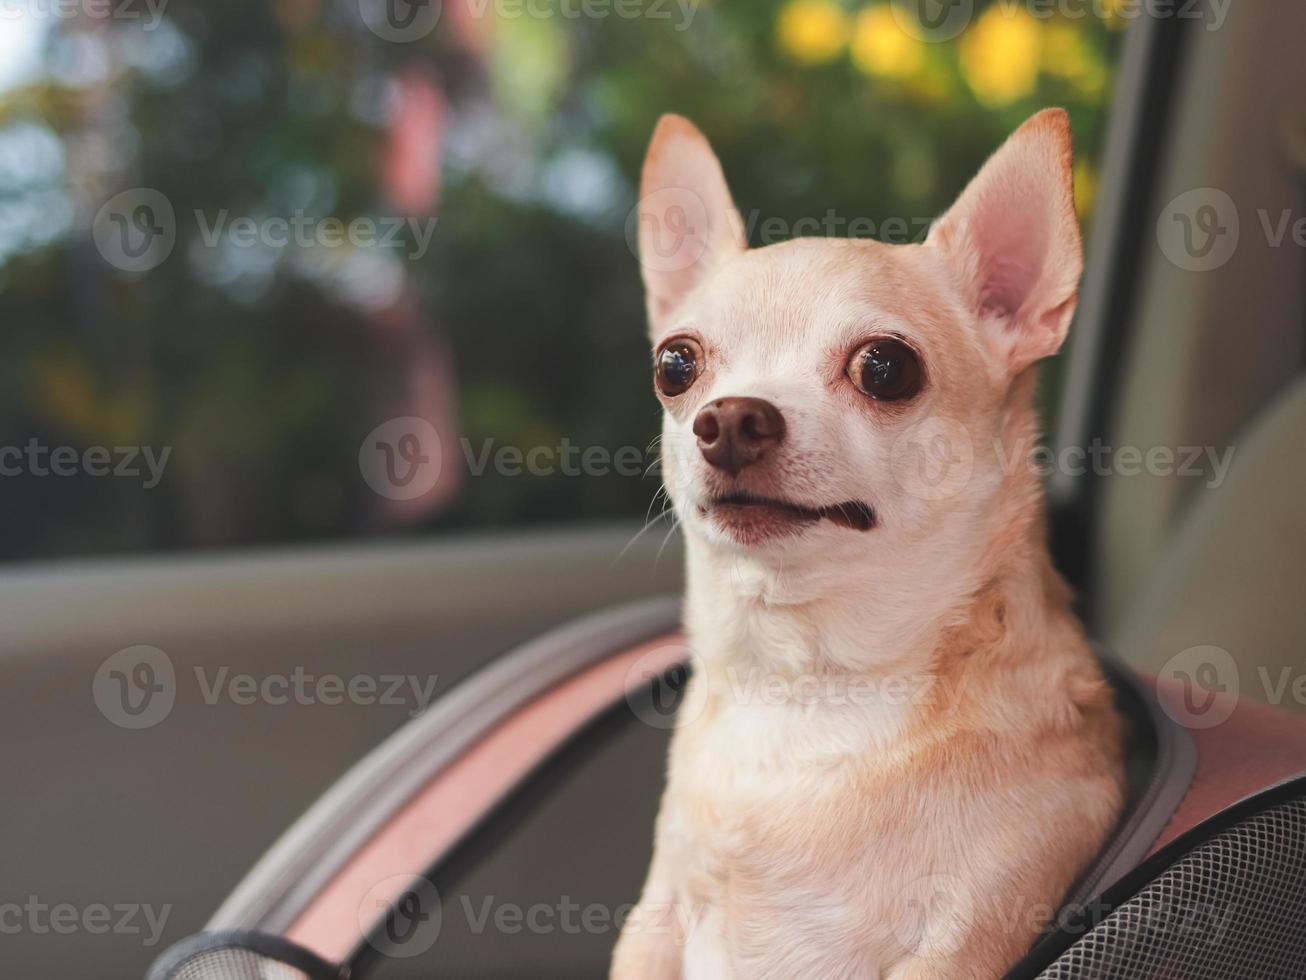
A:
791, 620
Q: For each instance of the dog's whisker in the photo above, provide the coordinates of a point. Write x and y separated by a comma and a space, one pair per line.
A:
640, 533
675, 524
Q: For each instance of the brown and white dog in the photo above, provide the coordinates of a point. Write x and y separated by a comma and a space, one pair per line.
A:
898, 750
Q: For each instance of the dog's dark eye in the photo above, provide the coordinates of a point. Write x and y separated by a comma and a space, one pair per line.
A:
886, 369
676, 365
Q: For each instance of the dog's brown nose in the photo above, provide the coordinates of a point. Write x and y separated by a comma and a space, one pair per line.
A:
737, 432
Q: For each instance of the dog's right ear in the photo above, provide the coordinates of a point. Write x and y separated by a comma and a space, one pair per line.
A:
687, 222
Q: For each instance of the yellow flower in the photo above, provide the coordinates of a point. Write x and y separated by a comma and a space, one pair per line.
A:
812, 31
1000, 55
1063, 50
881, 47
1065, 53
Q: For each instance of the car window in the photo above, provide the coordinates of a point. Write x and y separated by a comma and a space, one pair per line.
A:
329, 269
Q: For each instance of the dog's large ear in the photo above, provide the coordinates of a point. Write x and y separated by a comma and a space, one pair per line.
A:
1012, 240
687, 222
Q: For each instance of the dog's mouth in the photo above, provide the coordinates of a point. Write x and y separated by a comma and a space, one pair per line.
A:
753, 516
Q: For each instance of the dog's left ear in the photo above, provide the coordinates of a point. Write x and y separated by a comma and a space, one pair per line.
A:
1012, 240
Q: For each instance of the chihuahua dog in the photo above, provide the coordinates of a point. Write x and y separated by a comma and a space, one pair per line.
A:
897, 750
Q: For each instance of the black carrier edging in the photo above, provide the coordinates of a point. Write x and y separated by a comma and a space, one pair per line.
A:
1155, 741
185, 953
1047, 952
1140, 120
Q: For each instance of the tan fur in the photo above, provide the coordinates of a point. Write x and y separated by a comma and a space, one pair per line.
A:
829, 837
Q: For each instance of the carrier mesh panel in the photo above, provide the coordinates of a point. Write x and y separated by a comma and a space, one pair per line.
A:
1234, 908
240, 956
233, 963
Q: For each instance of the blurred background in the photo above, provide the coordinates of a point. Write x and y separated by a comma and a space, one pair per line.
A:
500, 143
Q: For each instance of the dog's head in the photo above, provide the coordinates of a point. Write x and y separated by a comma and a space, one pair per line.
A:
835, 397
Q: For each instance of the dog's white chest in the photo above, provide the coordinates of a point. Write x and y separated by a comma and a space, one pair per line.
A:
749, 780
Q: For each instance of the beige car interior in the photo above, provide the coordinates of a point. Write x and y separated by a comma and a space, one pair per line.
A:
1216, 360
